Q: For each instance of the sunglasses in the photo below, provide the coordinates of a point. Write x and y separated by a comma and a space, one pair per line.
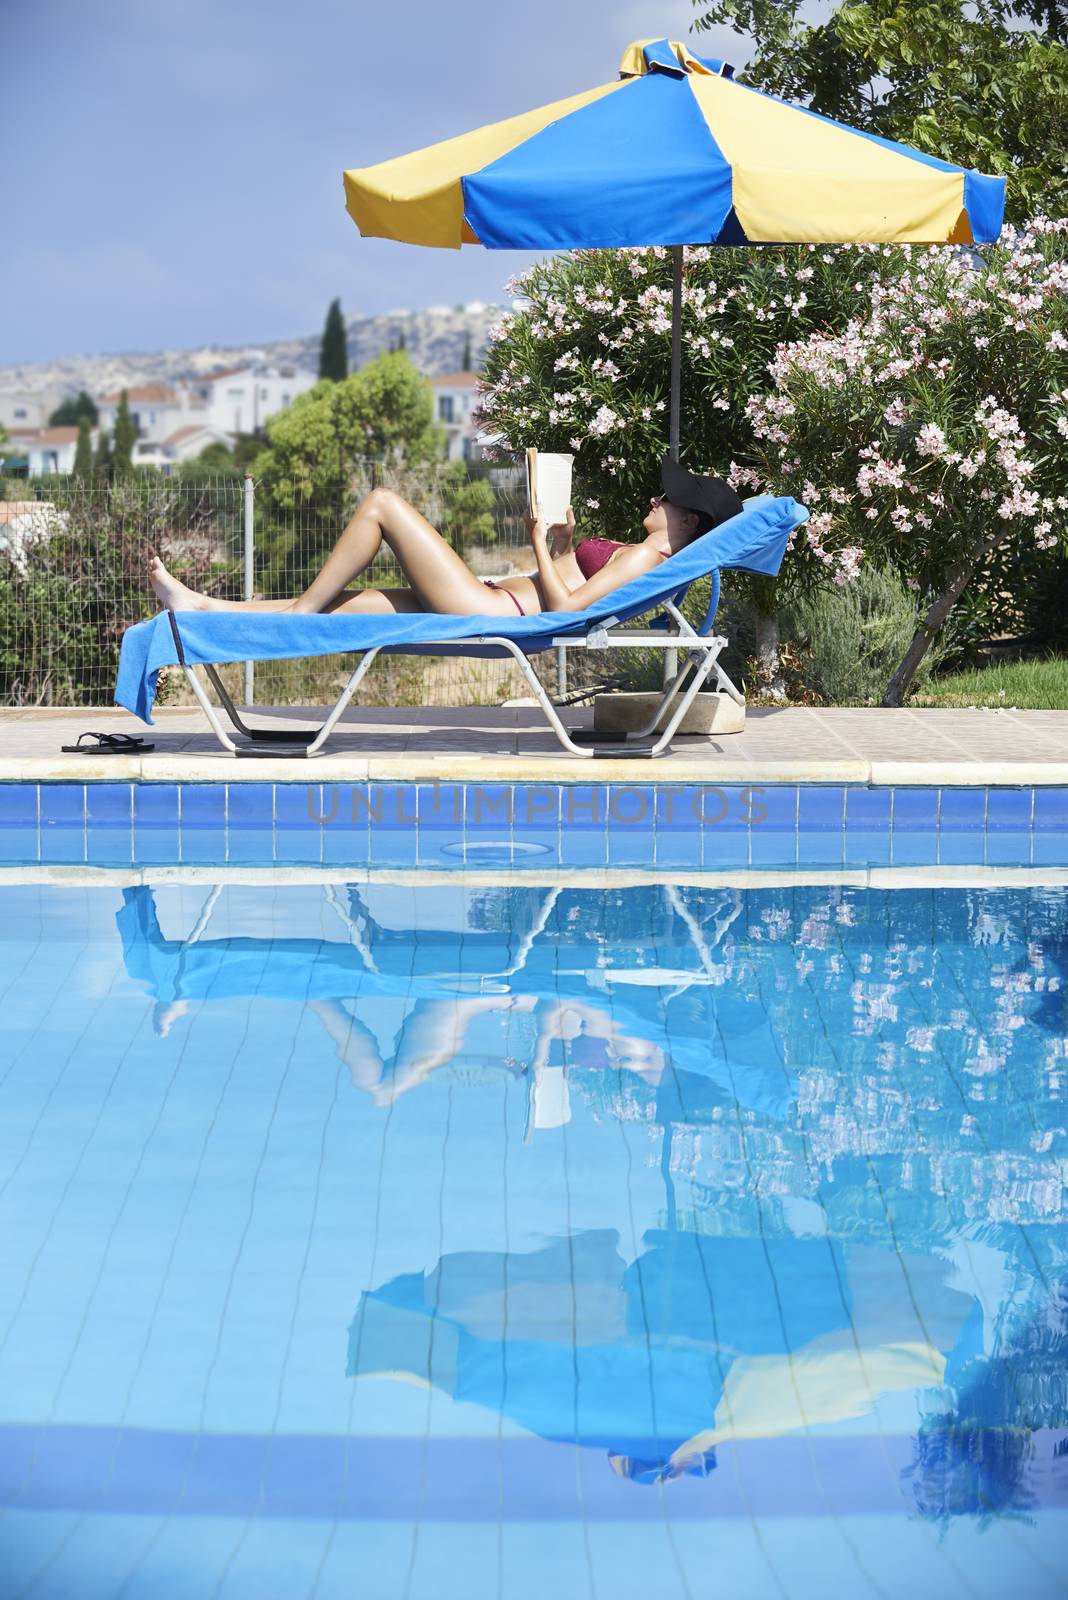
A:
661, 500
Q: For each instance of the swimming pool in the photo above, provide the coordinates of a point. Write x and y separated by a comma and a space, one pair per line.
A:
468, 1238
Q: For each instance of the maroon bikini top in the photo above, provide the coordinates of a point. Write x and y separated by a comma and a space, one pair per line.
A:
593, 554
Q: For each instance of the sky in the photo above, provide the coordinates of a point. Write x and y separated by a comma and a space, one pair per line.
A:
179, 161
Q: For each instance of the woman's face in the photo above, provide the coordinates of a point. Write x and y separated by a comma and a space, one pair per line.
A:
664, 518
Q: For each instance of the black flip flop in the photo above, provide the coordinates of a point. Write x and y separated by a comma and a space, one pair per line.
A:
107, 744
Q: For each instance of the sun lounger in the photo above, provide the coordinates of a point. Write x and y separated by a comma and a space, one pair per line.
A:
753, 541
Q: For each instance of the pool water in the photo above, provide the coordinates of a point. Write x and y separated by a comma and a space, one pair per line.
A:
391, 1240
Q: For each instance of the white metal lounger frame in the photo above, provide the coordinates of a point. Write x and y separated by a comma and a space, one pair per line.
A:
701, 653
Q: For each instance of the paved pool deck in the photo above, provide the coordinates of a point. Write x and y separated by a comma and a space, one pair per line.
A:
503, 744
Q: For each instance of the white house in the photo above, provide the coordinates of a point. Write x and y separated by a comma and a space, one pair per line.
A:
227, 402
240, 399
19, 409
455, 398
46, 450
154, 407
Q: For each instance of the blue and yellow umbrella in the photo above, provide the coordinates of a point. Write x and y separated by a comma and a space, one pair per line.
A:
674, 152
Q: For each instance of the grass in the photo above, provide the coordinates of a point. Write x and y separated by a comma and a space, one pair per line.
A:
1021, 685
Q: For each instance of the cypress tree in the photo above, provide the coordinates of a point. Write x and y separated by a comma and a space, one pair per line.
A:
125, 438
102, 462
334, 349
83, 455
465, 364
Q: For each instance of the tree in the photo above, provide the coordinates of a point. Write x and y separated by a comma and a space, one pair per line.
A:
103, 464
384, 412
72, 411
962, 80
125, 438
216, 460
334, 349
83, 455
465, 363
466, 513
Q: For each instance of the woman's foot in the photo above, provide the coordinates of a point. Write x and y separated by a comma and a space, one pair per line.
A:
174, 595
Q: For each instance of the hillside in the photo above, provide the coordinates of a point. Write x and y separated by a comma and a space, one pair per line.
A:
435, 339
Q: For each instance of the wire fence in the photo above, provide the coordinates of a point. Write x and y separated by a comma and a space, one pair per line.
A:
73, 575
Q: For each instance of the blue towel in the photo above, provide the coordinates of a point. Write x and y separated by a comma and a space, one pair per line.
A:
754, 540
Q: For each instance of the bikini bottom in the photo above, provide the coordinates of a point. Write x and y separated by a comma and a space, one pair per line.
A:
489, 583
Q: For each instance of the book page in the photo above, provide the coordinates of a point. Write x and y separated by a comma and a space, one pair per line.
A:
549, 481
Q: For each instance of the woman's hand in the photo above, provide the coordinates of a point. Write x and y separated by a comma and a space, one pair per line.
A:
536, 529
562, 535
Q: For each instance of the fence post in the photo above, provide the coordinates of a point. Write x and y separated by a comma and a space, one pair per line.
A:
250, 551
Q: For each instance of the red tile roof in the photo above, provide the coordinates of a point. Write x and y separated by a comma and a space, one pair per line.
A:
144, 393
457, 380
43, 435
220, 372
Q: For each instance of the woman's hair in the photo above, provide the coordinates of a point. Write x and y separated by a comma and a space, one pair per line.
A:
704, 522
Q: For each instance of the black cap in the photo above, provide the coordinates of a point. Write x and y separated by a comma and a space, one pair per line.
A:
692, 492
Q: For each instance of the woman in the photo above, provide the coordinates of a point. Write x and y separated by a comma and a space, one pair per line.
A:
569, 577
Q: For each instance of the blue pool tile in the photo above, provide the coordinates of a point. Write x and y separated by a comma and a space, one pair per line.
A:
394, 805
724, 847
915, 811
868, 810
913, 847
62, 805
1047, 849
583, 847
156, 832
18, 805
62, 834
630, 805
488, 810
962, 811
772, 847
1005, 848
296, 805
536, 824
820, 848
962, 848
202, 847
347, 846
109, 816
203, 805
392, 846
1008, 810
676, 847
772, 808
865, 847
109, 805
631, 847
584, 806
250, 805
441, 805
1051, 810
155, 805
250, 823
678, 805
820, 809
19, 846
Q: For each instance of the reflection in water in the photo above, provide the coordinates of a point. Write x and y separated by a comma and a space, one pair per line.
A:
855, 1102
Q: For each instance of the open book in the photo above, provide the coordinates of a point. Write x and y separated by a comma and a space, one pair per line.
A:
549, 482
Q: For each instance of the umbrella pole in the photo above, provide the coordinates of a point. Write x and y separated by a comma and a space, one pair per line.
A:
676, 349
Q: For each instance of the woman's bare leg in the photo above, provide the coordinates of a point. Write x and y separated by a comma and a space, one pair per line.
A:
436, 573
439, 579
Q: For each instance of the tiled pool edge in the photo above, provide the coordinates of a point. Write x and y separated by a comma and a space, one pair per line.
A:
438, 767
681, 826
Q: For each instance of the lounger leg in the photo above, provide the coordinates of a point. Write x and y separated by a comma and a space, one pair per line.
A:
342, 701
542, 698
209, 711
684, 704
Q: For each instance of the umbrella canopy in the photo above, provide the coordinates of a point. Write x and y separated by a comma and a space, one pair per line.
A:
673, 152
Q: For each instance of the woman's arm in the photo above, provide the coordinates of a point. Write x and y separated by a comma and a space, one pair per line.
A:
628, 564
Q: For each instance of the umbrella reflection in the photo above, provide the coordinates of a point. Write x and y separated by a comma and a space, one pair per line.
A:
697, 1343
